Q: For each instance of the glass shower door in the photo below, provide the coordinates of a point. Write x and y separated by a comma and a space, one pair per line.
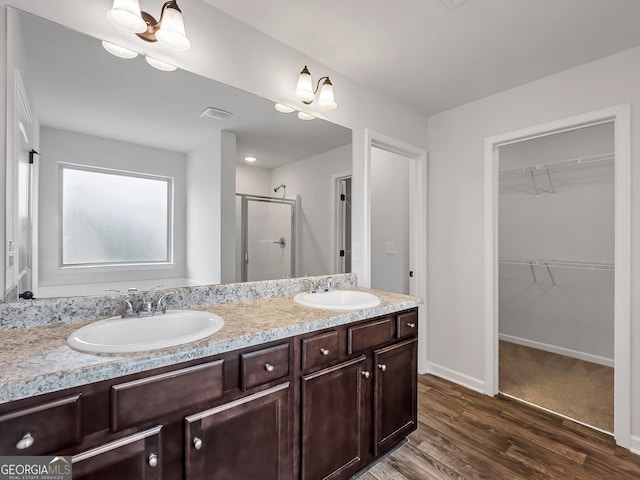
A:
268, 238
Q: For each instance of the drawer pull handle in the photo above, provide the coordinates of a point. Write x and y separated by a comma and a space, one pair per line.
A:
324, 351
411, 325
25, 442
197, 443
382, 367
269, 367
153, 460
366, 374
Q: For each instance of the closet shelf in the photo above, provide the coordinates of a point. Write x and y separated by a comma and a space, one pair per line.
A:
552, 263
574, 162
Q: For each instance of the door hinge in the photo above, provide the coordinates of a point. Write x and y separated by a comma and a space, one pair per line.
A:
32, 152
343, 197
411, 273
342, 253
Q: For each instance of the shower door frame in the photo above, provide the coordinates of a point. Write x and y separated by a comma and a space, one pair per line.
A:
244, 229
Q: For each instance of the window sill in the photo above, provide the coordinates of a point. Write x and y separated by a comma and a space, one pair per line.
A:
124, 267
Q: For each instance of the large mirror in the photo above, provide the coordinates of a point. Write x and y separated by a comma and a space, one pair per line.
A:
132, 188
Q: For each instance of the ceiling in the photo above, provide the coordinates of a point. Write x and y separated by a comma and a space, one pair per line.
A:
74, 84
431, 57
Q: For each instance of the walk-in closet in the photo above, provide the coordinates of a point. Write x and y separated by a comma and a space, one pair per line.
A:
556, 273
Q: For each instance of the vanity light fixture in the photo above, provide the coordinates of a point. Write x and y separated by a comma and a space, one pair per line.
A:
306, 93
169, 30
250, 159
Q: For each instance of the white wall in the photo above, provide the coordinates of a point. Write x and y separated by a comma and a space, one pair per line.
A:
204, 211
228, 208
63, 146
456, 231
576, 223
253, 180
389, 221
311, 179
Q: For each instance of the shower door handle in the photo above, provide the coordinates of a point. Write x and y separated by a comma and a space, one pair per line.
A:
282, 242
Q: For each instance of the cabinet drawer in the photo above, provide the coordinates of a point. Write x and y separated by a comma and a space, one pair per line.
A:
407, 324
320, 350
264, 365
43, 428
150, 398
370, 335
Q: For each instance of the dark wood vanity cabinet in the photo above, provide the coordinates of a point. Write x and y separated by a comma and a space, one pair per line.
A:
360, 403
334, 420
317, 406
245, 439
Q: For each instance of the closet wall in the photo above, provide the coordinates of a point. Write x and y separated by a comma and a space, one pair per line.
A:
556, 243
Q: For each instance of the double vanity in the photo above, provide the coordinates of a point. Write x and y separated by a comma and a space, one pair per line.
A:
291, 385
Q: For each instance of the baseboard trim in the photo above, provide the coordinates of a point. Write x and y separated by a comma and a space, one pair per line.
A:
635, 444
456, 377
567, 352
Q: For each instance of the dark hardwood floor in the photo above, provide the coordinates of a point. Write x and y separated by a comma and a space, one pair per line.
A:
465, 435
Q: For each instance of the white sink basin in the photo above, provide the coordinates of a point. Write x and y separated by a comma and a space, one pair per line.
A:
126, 335
338, 300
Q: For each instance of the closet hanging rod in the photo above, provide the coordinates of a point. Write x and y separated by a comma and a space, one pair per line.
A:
580, 161
601, 266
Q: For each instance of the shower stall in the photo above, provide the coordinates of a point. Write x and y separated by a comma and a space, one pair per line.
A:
265, 237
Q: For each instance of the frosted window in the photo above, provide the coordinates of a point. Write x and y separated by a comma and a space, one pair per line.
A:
111, 217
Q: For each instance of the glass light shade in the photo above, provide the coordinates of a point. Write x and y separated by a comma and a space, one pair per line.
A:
171, 31
126, 14
305, 116
283, 108
304, 89
118, 51
325, 99
160, 65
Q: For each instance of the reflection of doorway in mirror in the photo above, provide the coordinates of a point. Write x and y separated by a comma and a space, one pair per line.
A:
19, 202
343, 224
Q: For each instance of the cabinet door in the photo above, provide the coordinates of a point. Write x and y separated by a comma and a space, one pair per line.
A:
334, 420
242, 440
134, 457
396, 393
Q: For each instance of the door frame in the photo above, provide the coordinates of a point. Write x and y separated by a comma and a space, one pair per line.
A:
418, 225
336, 228
620, 115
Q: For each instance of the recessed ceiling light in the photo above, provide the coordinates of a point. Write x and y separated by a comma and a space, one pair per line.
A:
284, 108
250, 159
305, 116
118, 51
160, 65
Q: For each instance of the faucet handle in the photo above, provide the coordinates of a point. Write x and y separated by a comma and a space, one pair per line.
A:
125, 308
161, 304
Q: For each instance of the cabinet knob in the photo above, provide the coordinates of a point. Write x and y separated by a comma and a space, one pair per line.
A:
366, 374
25, 442
324, 351
269, 367
153, 460
382, 367
197, 443
411, 325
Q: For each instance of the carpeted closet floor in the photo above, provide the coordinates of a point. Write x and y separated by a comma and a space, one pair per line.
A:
575, 388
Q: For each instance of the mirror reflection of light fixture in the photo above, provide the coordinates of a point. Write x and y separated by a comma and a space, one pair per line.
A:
306, 93
169, 30
305, 116
160, 65
118, 51
284, 108
250, 159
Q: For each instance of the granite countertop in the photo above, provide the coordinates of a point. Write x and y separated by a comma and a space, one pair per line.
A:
38, 360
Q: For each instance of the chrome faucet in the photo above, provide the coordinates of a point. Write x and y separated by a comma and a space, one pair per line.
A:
125, 309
